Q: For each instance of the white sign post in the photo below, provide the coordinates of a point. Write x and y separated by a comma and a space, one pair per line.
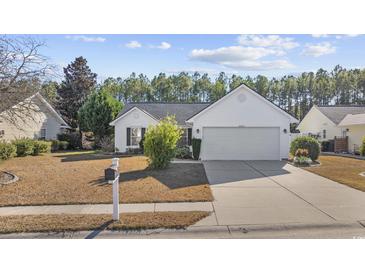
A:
112, 175
116, 199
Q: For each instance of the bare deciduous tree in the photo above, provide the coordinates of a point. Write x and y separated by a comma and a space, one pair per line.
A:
22, 69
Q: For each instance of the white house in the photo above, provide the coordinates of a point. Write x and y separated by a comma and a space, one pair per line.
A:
328, 122
242, 125
31, 116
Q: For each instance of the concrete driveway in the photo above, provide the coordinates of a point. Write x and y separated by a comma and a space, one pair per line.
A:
274, 192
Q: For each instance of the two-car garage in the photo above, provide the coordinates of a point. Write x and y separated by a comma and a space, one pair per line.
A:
240, 143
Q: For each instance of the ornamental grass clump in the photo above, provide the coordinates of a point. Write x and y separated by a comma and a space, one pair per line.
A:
160, 142
301, 157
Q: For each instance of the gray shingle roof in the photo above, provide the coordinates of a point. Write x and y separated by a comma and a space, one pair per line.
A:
337, 113
182, 111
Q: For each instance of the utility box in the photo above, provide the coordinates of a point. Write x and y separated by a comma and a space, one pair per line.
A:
111, 173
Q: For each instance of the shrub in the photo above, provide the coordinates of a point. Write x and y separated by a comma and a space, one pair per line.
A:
63, 145
301, 152
73, 139
55, 145
141, 145
308, 143
7, 150
196, 143
362, 147
183, 153
59, 145
41, 147
107, 144
302, 161
160, 142
325, 146
24, 146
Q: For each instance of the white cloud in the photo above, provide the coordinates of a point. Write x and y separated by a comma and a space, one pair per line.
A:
163, 45
273, 41
320, 35
192, 70
243, 58
133, 44
84, 38
337, 36
319, 49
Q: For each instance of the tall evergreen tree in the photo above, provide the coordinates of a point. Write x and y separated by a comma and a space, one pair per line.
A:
78, 84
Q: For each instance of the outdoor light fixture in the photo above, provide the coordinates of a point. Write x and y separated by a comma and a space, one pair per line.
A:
197, 130
285, 130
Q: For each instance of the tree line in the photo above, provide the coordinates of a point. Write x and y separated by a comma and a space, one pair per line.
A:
295, 94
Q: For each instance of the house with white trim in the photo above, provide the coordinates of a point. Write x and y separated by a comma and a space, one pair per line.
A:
330, 122
242, 125
30, 116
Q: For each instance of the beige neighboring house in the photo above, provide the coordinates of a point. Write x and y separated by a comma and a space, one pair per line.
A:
31, 116
328, 122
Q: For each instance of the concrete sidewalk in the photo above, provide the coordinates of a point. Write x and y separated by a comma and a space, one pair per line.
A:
104, 208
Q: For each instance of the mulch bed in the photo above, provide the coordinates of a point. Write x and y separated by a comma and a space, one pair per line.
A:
80, 222
78, 178
5, 177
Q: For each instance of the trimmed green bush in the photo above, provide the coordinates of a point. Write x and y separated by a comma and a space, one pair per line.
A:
196, 143
41, 147
63, 145
59, 145
160, 142
73, 139
308, 143
362, 147
24, 146
7, 150
55, 145
183, 153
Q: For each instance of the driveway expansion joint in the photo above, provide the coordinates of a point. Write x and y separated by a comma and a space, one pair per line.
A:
292, 192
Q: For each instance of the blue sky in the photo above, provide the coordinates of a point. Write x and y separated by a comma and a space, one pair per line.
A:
270, 55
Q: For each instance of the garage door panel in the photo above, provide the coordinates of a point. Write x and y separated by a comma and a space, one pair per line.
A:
251, 143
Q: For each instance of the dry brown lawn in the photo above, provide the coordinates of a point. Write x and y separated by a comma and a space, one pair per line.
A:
342, 170
79, 222
78, 178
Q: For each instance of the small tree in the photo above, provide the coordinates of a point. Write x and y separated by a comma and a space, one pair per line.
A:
160, 142
97, 112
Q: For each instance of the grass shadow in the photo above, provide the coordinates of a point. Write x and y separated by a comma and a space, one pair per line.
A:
97, 231
175, 176
88, 156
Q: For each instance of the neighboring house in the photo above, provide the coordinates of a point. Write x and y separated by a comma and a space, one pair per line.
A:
31, 116
242, 125
328, 122
354, 126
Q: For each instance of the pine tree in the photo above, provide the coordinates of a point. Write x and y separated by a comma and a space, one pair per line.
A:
79, 82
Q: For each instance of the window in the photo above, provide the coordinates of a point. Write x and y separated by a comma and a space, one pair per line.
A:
185, 139
43, 134
324, 134
136, 136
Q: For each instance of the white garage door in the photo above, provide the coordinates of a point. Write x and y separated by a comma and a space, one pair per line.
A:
249, 143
